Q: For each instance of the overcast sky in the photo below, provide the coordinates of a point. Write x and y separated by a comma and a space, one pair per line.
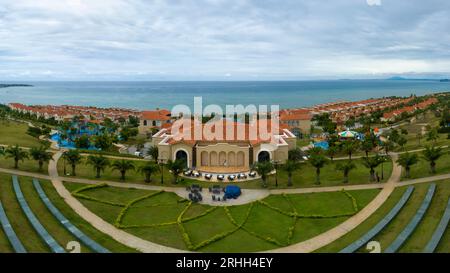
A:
222, 39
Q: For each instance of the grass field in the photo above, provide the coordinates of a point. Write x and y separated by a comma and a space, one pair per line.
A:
28, 165
305, 177
26, 233
420, 237
266, 225
12, 133
422, 168
30, 239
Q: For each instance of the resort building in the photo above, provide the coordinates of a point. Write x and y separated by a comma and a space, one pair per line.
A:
151, 121
298, 121
217, 152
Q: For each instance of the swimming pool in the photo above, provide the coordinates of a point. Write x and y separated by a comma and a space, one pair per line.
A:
66, 143
323, 144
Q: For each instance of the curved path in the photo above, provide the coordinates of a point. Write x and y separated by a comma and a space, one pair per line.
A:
351, 223
97, 222
306, 246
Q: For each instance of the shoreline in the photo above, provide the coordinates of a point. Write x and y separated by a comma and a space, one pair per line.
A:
15, 85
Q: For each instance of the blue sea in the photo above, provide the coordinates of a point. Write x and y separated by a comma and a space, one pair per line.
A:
151, 95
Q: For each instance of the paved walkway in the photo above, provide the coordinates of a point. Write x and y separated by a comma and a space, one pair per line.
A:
303, 247
351, 223
249, 195
100, 224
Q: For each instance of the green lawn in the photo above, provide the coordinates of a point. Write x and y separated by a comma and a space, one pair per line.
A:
419, 238
422, 168
30, 239
101, 238
414, 143
427, 226
305, 177
5, 247
265, 225
12, 133
50, 223
26, 233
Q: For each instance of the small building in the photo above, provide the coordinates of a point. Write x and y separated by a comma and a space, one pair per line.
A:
155, 120
298, 121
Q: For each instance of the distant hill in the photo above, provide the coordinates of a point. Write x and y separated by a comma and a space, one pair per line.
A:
408, 79
14, 85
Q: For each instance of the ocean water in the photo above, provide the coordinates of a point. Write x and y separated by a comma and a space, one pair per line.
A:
151, 95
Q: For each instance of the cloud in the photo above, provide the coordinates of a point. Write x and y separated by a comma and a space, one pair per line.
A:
374, 2
218, 39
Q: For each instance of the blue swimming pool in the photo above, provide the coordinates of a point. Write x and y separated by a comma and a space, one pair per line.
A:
66, 143
323, 144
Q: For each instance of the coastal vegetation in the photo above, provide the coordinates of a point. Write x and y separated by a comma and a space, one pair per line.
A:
3, 85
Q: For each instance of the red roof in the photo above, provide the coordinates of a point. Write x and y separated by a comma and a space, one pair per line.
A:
156, 115
239, 128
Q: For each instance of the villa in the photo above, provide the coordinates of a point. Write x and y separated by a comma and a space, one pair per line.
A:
66, 112
216, 152
298, 121
154, 120
392, 115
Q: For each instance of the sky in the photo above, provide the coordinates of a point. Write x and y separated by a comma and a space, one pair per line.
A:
223, 39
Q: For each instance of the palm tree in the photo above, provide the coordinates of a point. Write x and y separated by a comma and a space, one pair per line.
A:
345, 168
433, 135
318, 161
148, 169
41, 156
295, 154
176, 167
432, 154
99, 163
406, 160
371, 163
17, 153
73, 157
387, 146
367, 146
315, 151
153, 152
123, 166
349, 147
401, 141
263, 169
290, 167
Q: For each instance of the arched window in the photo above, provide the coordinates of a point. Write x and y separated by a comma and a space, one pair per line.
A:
182, 155
240, 159
263, 156
231, 159
204, 158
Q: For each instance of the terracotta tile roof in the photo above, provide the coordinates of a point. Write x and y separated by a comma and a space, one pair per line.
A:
239, 128
156, 115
